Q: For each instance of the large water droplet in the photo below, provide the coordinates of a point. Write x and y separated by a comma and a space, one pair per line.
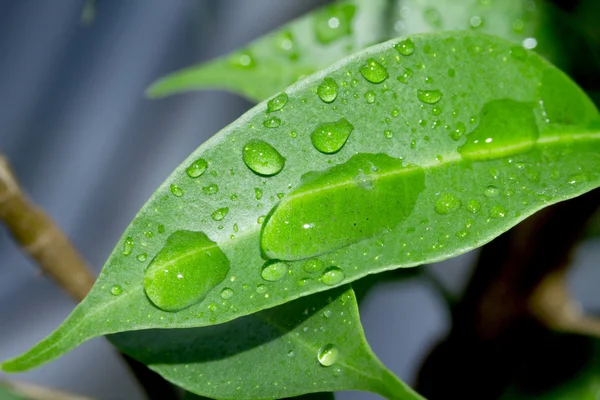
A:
334, 22
196, 168
277, 102
405, 47
319, 217
262, 158
328, 90
373, 71
332, 276
429, 96
330, 137
506, 127
127, 246
274, 270
328, 355
184, 271
447, 203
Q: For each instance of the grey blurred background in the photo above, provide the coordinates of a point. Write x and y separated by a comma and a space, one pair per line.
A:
90, 149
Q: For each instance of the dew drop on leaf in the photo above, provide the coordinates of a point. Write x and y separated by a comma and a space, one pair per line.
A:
447, 203
184, 271
370, 97
116, 290
328, 90
429, 96
242, 59
176, 190
497, 212
491, 191
405, 47
332, 276
273, 122
219, 214
313, 265
373, 71
260, 289
262, 158
127, 246
226, 293
211, 189
277, 102
330, 137
406, 75
197, 168
258, 193
473, 206
274, 270
334, 22
141, 257
328, 355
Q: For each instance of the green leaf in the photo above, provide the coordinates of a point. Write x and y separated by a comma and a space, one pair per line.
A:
482, 134
271, 354
276, 60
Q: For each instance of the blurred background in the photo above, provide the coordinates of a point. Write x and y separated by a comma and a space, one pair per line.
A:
90, 149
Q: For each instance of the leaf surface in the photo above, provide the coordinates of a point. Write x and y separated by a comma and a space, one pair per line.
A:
276, 60
474, 132
271, 354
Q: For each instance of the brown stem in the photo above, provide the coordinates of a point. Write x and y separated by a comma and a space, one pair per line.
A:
40, 237
515, 299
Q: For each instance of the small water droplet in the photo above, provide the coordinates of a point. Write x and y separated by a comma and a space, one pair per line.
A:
491, 191
260, 219
258, 193
277, 102
116, 290
332, 276
226, 293
260, 289
313, 265
273, 122
242, 59
497, 212
210, 189
370, 97
330, 137
220, 213
334, 22
328, 355
176, 190
405, 47
447, 203
262, 158
274, 270
476, 21
328, 90
290, 353
433, 17
429, 96
293, 134
196, 168
127, 246
373, 71
160, 228
141, 257
473, 206
388, 133
327, 313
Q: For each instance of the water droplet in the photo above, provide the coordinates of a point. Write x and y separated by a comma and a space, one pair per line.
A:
373, 71
313, 265
220, 213
149, 234
327, 313
242, 59
210, 189
116, 290
447, 203
160, 228
405, 47
260, 219
277, 102
184, 271
577, 179
506, 127
274, 270
330, 137
473, 206
388, 133
285, 43
334, 22
370, 97
272, 122
382, 198
258, 193
260, 289
530, 43
293, 134
304, 281
290, 353
429, 96
476, 21
280, 195
328, 90
142, 257
491, 191
332, 276
176, 190
226, 293
497, 212
328, 355
262, 158
127, 246
395, 112
196, 168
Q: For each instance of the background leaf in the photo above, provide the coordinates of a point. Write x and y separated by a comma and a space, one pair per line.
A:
274, 61
480, 134
270, 354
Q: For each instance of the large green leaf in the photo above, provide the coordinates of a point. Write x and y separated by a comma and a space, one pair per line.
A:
464, 136
270, 354
278, 59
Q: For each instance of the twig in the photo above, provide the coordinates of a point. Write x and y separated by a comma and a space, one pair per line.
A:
44, 241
